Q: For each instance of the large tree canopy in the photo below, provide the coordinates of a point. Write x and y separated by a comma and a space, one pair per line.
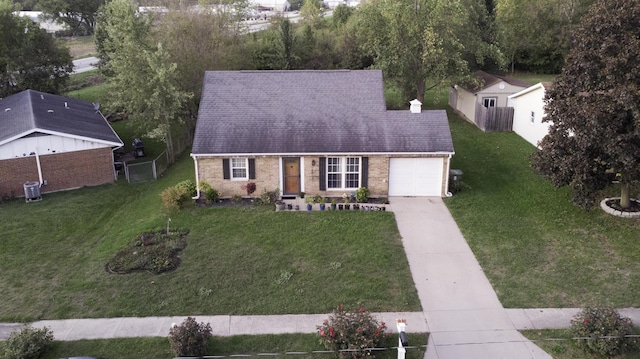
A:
143, 81
594, 106
418, 43
79, 15
29, 57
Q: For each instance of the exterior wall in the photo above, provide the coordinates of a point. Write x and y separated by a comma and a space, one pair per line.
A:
501, 94
523, 106
61, 171
45, 144
268, 176
466, 104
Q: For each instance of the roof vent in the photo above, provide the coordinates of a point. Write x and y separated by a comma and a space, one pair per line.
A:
96, 106
416, 106
50, 111
7, 109
65, 105
41, 97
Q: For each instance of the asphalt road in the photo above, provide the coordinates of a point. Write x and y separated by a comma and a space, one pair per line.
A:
84, 65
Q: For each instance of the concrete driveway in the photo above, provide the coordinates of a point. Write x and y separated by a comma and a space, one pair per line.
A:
463, 313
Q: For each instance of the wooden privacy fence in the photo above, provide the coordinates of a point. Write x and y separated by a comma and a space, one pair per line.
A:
494, 119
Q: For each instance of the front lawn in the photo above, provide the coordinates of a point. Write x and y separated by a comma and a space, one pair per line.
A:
245, 260
536, 247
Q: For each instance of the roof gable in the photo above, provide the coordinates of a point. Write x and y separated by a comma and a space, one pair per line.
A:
33, 111
487, 80
298, 112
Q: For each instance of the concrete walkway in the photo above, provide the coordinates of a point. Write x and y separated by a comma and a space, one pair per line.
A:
464, 315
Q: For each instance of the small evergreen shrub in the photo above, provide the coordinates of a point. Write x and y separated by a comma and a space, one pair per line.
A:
28, 343
190, 338
189, 186
212, 195
362, 195
596, 323
352, 330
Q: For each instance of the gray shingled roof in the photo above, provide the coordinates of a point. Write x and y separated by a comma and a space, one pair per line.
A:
33, 111
490, 80
297, 112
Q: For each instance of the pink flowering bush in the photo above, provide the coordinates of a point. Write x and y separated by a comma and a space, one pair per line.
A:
356, 331
596, 323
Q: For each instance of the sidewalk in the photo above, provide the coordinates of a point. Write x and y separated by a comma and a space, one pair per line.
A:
465, 317
226, 325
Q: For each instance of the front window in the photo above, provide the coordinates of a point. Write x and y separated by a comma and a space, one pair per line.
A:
489, 101
239, 169
343, 172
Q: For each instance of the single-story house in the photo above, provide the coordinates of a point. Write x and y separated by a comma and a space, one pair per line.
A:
318, 132
487, 91
59, 142
528, 106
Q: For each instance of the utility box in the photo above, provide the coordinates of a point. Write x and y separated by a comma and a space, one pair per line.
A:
32, 191
455, 175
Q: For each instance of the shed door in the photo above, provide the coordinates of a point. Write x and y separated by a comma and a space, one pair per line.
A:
415, 177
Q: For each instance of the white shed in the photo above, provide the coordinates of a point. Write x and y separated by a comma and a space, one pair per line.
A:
528, 114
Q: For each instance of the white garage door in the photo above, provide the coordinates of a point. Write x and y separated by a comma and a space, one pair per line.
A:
415, 177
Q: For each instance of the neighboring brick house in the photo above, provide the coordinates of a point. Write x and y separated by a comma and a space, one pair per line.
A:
60, 142
319, 132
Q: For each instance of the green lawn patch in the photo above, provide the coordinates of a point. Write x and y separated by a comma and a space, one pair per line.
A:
157, 348
536, 247
559, 344
81, 46
53, 255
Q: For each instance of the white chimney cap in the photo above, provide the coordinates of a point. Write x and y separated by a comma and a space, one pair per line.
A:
416, 106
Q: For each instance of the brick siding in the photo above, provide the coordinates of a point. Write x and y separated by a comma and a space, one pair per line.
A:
62, 171
268, 176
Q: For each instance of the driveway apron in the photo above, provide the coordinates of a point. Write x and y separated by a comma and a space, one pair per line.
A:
463, 313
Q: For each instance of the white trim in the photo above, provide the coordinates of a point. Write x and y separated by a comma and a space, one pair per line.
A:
302, 179
527, 90
322, 154
39, 166
245, 167
61, 134
343, 173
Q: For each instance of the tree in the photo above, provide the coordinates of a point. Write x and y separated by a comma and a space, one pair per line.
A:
414, 41
29, 57
535, 33
275, 48
594, 106
143, 80
79, 15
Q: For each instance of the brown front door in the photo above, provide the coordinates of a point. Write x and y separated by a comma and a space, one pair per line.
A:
291, 175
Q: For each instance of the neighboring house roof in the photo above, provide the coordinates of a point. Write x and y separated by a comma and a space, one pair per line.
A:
487, 80
32, 111
540, 85
298, 112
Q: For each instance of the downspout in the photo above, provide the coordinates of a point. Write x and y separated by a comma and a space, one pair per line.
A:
195, 160
39, 167
448, 194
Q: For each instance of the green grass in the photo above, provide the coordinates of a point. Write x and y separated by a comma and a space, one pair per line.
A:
565, 347
536, 247
157, 348
53, 255
91, 93
81, 46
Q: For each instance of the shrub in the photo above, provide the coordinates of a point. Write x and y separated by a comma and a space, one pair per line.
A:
250, 187
212, 195
175, 198
352, 330
28, 343
596, 323
362, 194
189, 186
190, 338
